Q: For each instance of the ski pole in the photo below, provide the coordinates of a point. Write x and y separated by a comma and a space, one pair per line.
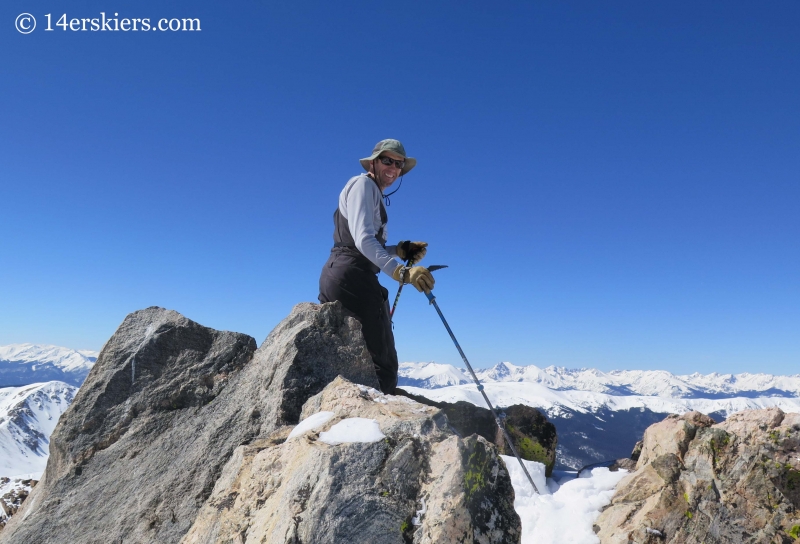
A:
399, 289
480, 388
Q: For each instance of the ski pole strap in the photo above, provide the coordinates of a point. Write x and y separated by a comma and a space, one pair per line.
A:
403, 271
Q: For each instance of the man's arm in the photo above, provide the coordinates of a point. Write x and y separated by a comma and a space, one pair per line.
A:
361, 207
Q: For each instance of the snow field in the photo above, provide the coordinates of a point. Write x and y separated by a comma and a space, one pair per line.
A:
28, 416
647, 383
567, 507
550, 400
63, 358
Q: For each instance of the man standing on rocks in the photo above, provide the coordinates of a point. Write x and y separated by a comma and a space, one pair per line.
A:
360, 252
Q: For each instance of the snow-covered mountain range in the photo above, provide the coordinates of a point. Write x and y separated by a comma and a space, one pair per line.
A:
28, 415
598, 415
22, 364
658, 383
601, 415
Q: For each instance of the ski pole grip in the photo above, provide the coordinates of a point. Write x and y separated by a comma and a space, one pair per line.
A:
430, 296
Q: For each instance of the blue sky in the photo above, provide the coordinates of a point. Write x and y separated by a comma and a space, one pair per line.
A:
613, 184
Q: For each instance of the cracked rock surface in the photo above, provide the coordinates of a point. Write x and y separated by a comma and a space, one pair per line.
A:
699, 482
421, 483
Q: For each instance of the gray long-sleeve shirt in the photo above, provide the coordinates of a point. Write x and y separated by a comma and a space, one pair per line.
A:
360, 205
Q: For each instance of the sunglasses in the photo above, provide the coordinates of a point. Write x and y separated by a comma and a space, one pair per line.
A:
388, 161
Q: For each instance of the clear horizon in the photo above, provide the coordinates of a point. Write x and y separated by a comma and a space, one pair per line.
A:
612, 186
460, 365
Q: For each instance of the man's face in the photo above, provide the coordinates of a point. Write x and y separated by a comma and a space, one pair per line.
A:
385, 174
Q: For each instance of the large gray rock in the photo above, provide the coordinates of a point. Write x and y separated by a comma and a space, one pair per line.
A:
699, 482
422, 483
141, 448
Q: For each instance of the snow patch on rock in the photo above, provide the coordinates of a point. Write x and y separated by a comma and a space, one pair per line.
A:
310, 423
353, 429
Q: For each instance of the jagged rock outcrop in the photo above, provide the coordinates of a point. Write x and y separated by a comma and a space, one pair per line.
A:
420, 484
699, 482
178, 434
534, 437
168, 401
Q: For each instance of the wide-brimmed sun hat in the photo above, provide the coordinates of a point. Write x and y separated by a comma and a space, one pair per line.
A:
393, 146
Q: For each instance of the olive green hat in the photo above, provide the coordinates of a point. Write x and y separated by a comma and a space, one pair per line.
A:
393, 146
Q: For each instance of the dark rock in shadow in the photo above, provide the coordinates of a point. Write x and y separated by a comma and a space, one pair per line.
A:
533, 436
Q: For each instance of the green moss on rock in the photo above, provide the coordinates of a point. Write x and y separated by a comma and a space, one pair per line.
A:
533, 451
479, 464
793, 479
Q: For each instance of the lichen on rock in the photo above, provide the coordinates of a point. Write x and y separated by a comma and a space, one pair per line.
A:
700, 482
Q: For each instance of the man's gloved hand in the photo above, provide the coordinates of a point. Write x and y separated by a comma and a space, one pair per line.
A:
418, 276
412, 251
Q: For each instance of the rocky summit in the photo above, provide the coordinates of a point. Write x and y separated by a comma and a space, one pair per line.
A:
700, 482
180, 434
421, 483
168, 401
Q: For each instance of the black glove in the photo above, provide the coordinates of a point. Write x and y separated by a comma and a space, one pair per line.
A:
413, 252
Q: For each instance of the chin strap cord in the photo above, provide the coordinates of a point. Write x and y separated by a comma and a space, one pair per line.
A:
386, 200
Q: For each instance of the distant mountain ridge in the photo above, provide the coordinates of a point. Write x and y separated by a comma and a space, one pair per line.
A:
23, 364
430, 375
658, 383
600, 415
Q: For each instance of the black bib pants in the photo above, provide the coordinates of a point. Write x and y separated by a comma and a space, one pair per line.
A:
352, 279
